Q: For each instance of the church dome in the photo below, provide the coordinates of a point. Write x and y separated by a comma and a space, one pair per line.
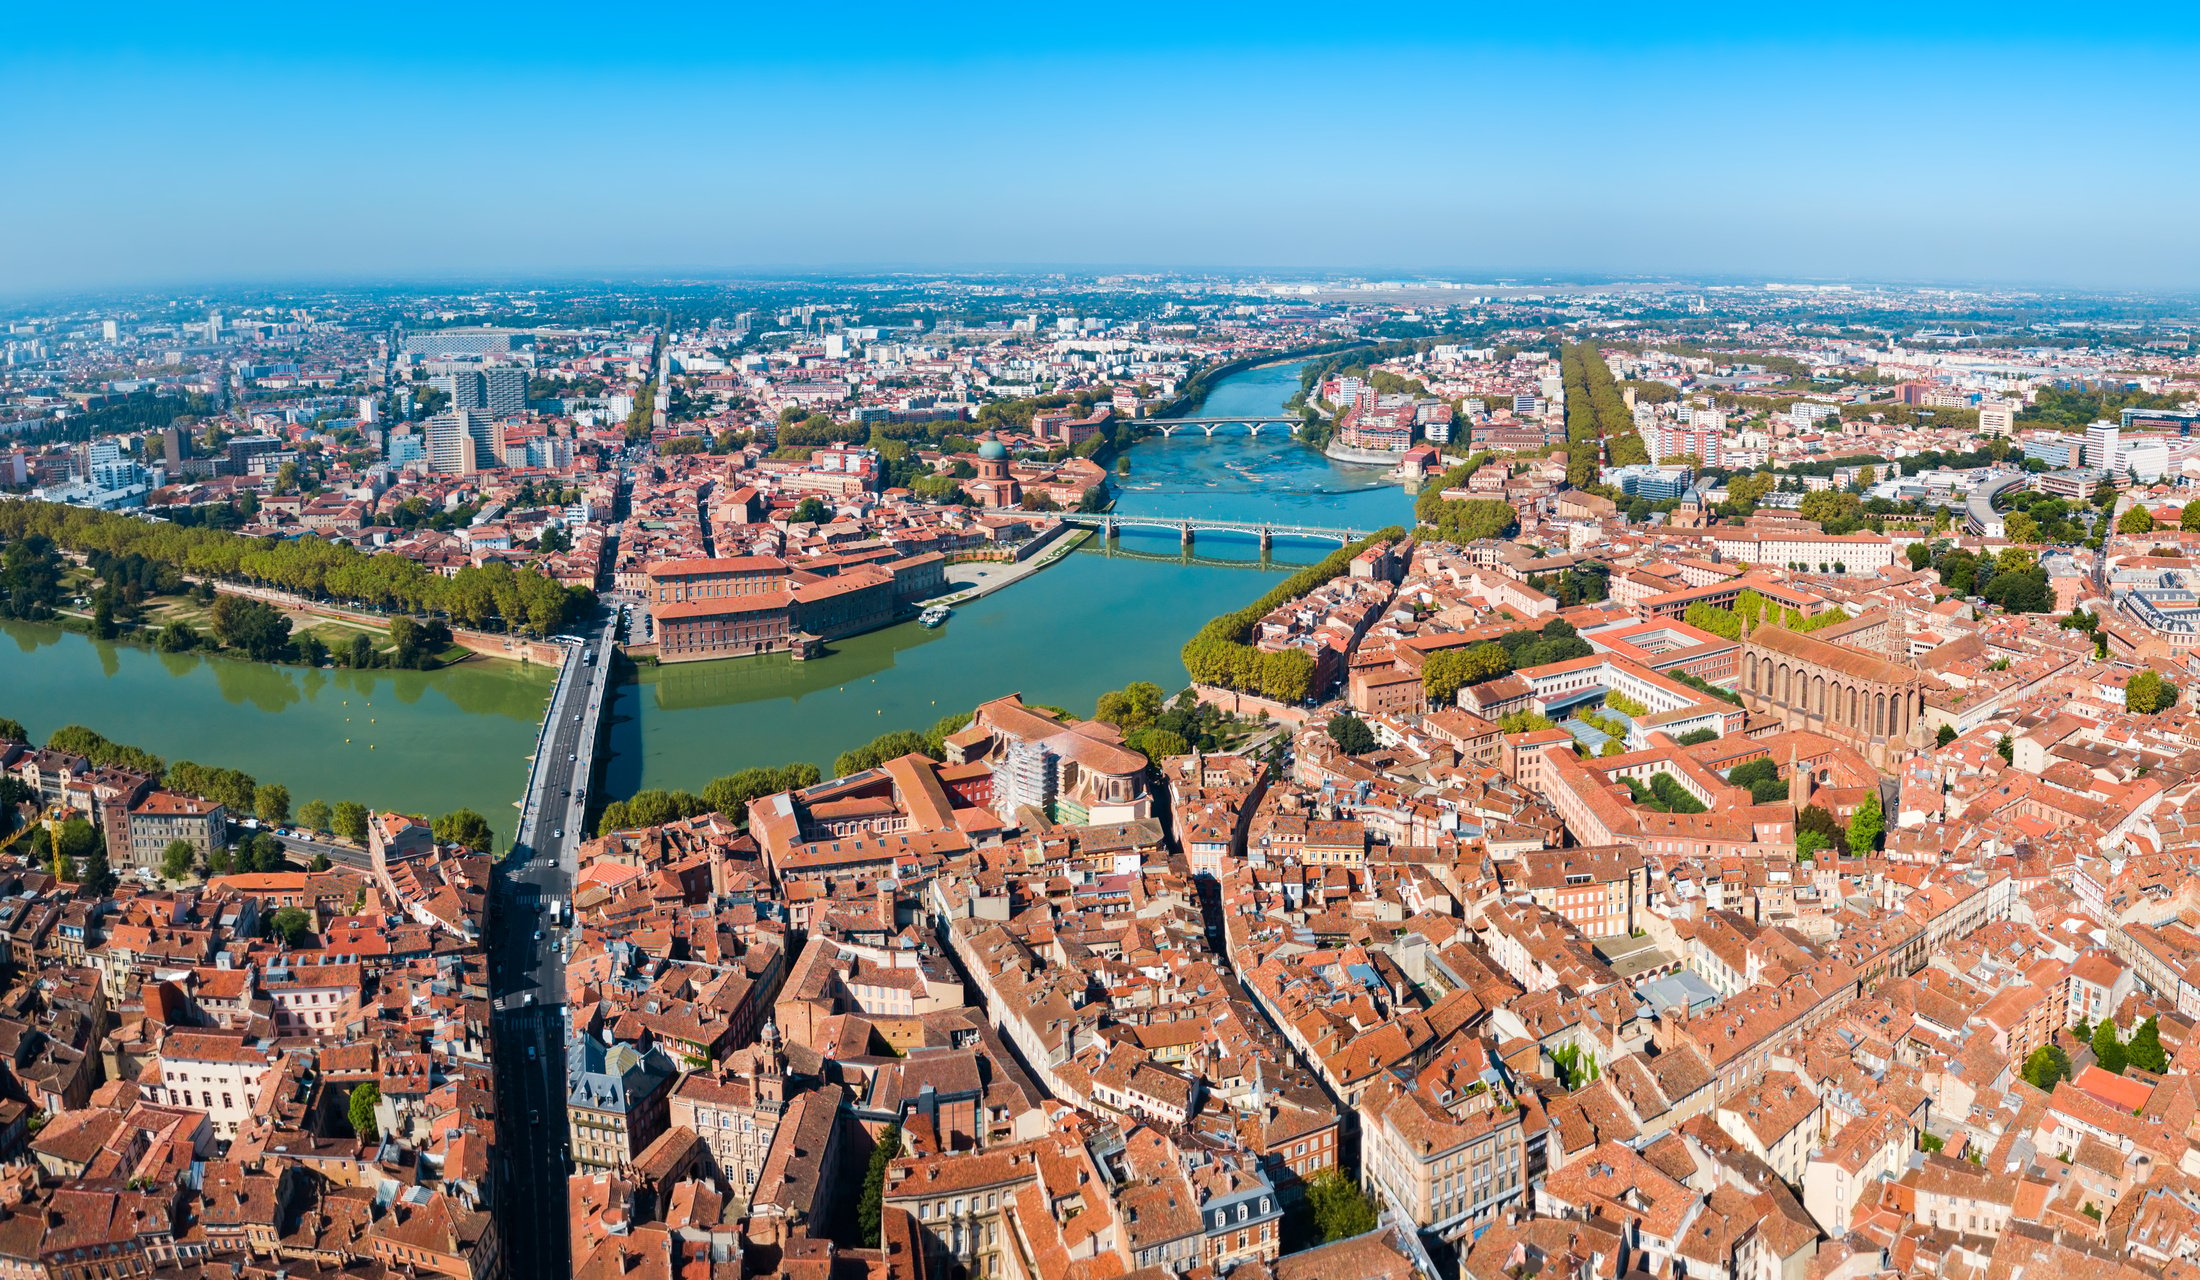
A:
991, 448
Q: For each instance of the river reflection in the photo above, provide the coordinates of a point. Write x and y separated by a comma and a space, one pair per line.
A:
1104, 616
420, 741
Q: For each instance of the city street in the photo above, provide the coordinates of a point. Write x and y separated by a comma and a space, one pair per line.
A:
527, 959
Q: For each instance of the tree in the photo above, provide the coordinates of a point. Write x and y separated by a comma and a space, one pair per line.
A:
1131, 707
30, 577
2047, 1066
176, 859
75, 844
364, 1099
1470, 519
2189, 518
730, 795
1576, 1066
870, 1206
314, 815
879, 750
2147, 692
1946, 735
2137, 520
77, 740
464, 827
1447, 671
271, 803
1920, 555
1865, 826
2145, 1050
2107, 1049
262, 632
262, 853
292, 925
1829, 506
348, 821
1341, 1209
1158, 744
1350, 733
810, 511
13, 731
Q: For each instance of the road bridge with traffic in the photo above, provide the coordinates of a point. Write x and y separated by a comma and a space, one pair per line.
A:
528, 946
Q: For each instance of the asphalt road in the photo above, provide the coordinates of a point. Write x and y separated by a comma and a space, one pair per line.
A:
527, 964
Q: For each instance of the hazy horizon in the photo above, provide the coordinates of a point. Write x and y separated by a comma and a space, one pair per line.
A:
1996, 146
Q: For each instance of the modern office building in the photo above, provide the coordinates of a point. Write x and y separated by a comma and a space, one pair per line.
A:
1654, 483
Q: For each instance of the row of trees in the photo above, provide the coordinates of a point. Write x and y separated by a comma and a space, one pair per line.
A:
1218, 655
728, 796
1447, 671
1599, 426
1151, 725
245, 796
888, 746
493, 596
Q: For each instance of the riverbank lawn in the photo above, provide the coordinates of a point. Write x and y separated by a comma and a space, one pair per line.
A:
157, 612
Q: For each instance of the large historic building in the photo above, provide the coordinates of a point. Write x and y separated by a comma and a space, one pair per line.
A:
731, 607
1861, 699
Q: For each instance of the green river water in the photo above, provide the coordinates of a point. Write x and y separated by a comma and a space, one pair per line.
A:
428, 742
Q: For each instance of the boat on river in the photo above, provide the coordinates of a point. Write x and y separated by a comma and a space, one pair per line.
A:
934, 616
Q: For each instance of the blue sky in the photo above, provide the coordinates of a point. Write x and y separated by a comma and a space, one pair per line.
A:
181, 143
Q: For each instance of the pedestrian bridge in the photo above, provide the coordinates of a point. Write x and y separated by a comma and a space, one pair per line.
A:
1188, 528
1252, 424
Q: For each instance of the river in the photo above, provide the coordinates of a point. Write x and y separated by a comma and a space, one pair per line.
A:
1096, 621
419, 741
428, 742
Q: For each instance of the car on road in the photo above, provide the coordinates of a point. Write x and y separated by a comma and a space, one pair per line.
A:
558, 834
576, 717
538, 935
572, 757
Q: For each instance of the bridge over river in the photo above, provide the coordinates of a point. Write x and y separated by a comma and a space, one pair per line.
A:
1188, 528
1251, 422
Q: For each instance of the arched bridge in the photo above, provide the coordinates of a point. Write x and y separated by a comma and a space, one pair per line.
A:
1110, 523
1252, 424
